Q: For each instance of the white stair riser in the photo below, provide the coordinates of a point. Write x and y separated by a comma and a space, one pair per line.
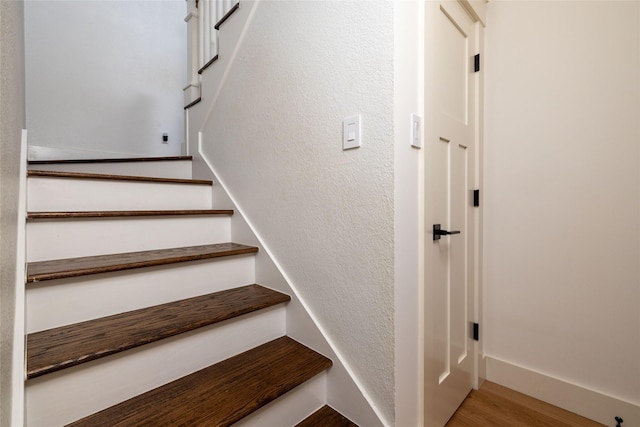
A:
293, 407
165, 169
59, 398
65, 301
72, 194
70, 238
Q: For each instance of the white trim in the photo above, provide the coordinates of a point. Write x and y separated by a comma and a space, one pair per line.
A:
421, 214
18, 374
186, 145
589, 403
409, 228
477, 9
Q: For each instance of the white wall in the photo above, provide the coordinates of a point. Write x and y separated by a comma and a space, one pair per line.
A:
275, 139
106, 76
562, 192
12, 121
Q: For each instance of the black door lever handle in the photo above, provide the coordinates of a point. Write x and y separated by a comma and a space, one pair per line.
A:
437, 232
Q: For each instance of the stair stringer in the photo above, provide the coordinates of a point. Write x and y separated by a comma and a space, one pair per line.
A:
344, 393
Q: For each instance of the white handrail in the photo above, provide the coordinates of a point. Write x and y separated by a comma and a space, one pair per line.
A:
202, 39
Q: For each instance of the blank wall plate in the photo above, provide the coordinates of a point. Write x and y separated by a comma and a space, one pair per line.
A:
416, 131
351, 132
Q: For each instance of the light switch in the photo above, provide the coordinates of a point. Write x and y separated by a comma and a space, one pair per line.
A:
416, 131
351, 132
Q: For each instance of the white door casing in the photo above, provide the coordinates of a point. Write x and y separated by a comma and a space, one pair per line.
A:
450, 177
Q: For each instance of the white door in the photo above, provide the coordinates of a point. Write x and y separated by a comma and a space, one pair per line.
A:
450, 136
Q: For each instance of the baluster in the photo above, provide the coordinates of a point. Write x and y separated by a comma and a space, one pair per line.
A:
219, 10
213, 48
201, 7
207, 31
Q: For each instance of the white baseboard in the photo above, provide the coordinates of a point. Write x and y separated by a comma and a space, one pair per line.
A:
580, 400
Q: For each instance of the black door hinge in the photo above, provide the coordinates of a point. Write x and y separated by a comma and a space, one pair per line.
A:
476, 198
476, 63
476, 331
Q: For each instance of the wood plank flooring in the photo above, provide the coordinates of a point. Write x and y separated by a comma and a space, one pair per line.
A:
494, 405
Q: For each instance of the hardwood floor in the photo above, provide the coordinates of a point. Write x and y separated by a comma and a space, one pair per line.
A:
495, 406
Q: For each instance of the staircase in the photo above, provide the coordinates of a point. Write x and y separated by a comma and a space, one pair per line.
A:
142, 312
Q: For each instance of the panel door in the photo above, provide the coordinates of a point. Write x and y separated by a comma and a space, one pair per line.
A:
450, 88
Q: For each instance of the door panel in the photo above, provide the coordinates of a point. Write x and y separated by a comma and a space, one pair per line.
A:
452, 67
459, 333
449, 182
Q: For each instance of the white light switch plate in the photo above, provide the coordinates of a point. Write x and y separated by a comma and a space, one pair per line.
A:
351, 132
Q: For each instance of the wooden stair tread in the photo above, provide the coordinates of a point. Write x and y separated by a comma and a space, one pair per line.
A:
101, 176
220, 394
59, 348
326, 417
72, 267
112, 160
112, 214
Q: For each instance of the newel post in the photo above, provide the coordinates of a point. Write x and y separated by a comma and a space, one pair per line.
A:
192, 89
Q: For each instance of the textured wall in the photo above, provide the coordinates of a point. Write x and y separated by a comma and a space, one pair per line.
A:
275, 139
106, 76
12, 121
562, 198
